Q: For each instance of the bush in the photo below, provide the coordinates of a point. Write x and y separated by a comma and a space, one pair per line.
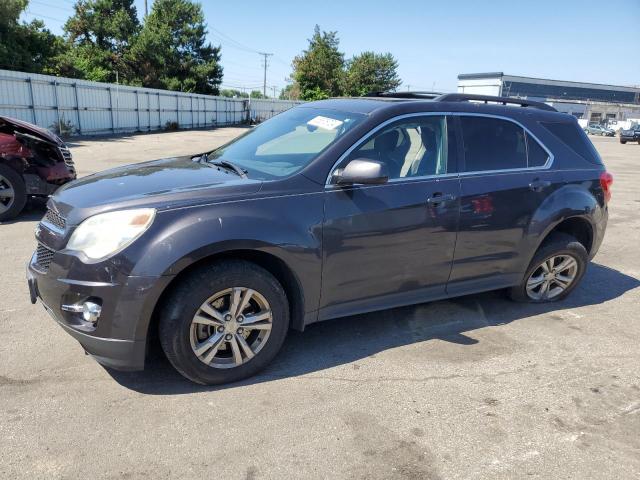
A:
64, 128
171, 125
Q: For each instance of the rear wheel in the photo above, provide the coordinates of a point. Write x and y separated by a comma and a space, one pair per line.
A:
13, 193
224, 322
624, 141
555, 271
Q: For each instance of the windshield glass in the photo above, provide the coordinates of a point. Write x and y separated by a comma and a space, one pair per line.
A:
288, 142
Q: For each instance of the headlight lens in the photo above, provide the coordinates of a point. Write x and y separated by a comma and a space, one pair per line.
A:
103, 235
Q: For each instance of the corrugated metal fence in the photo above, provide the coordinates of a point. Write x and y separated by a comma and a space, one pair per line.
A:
94, 107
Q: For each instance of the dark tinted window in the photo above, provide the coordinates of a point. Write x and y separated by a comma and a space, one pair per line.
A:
573, 137
537, 155
492, 144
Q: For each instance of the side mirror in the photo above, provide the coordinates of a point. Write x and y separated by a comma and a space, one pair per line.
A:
363, 171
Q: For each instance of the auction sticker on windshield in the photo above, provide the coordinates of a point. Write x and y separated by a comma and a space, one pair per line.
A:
325, 123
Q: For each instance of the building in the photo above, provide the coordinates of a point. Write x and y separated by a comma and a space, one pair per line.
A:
591, 101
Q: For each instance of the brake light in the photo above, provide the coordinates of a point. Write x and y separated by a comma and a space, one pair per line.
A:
606, 180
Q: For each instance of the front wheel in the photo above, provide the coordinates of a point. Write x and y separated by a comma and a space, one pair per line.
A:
224, 322
13, 193
624, 141
555, 271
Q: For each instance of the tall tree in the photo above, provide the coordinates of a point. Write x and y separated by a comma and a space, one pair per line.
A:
28, 47
99, 35
171, 50
319, 70
371, 72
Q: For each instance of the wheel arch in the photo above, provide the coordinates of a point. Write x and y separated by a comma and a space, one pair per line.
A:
267, 260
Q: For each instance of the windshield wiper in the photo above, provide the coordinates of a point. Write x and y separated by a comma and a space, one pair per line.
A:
230, 166
224, 164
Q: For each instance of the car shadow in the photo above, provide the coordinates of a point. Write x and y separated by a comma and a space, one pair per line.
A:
345, 340
33, 212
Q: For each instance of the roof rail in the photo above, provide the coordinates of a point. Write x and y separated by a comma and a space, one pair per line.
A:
465, 97
416, 95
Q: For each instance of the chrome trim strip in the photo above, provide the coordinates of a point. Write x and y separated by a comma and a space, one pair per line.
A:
369, 134
52, 227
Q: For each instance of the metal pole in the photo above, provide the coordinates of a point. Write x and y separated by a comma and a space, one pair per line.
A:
113, 123
55, 95
33, 104
75, 92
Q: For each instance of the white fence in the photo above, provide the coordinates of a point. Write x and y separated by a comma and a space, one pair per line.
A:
94, 107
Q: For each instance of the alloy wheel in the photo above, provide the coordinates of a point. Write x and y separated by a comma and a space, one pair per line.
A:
7, 194
231, 327
552, 277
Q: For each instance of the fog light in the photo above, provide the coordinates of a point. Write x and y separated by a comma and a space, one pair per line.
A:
91, 312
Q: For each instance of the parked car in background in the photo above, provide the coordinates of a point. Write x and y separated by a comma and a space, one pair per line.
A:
619, 125
33, 163
332, 208
595, 129
631, 135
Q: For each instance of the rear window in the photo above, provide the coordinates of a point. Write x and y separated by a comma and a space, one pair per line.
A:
492, 144
573, 137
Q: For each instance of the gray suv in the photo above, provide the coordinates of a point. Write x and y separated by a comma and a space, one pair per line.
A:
330, 209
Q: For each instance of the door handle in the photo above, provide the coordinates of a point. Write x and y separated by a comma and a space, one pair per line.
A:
539, 185
438, 198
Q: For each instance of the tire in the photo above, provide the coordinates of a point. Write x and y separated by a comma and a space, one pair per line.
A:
623, 142
558, 246
11, 207
181, 336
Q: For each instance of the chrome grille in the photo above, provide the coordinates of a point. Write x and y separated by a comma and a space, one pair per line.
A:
66, 154
55, 219
44, 257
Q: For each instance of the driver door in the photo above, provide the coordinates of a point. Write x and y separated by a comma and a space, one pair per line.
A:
392, 244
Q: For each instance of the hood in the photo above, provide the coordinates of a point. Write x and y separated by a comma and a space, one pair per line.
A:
162, 184
26, 127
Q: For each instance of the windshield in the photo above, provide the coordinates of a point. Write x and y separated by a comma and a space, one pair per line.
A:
288, 142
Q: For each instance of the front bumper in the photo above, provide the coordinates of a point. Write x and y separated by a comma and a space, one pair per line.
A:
119, 338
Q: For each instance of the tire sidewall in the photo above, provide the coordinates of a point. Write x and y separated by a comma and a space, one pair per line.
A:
20, 192
175, 324
561, 245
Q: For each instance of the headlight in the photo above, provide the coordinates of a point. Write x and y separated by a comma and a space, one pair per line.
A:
105, 234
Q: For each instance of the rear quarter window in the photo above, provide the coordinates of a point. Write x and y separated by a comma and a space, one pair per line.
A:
573, 137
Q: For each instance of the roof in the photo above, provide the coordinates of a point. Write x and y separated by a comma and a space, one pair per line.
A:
501, 75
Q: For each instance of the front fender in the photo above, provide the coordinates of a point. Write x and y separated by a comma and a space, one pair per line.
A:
289, 229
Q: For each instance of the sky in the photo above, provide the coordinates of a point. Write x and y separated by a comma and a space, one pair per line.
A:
433, 41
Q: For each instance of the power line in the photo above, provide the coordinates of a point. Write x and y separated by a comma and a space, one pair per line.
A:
58, 7
29, 12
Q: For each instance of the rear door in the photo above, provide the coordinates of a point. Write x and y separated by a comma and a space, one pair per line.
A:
504, 181
392, 244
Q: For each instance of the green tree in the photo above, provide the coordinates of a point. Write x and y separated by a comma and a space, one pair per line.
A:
99, 36
231, 93
257, 94
28, 47
319, 70
371, 72
171, 50
290, 92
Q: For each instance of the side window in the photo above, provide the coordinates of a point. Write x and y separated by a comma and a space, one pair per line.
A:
413, 147
537, 156
492, 144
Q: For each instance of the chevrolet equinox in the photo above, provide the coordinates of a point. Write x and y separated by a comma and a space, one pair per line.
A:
332, 208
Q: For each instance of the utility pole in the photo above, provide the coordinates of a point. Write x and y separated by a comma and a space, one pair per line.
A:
408, 88
264, 84
274, 91
146, 10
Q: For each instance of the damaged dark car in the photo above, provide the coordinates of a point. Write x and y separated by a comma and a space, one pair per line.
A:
34, 162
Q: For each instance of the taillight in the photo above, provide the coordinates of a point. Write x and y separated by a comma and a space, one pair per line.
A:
606, 180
